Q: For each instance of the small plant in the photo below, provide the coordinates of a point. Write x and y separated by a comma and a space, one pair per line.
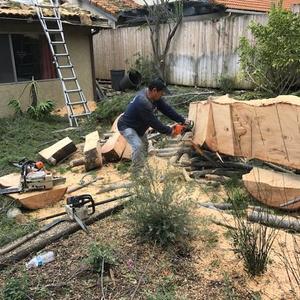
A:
41, 110
226, 83
16, 289
16, 106
229, 290
155, 211
165, 291
253, 243
101, 254
123, 166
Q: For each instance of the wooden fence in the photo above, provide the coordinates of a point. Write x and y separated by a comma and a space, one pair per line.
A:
201, 53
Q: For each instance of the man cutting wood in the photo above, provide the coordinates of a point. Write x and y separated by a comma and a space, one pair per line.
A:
139, 116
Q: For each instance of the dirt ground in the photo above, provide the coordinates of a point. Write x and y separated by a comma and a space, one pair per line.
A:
210, 270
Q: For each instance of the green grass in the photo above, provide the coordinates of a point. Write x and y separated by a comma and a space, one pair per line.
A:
24, 137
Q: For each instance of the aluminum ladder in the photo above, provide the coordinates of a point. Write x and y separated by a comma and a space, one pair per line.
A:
52, 26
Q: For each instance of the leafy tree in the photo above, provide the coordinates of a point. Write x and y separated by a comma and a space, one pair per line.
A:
272, 61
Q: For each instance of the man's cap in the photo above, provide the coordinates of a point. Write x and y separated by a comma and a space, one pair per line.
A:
160, 85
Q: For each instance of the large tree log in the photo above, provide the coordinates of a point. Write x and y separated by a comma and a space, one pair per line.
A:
92, 151
113, 149
280, 190
264, 129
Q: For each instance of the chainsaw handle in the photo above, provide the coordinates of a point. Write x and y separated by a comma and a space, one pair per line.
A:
78, 201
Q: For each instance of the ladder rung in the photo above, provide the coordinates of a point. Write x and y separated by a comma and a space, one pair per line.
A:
77, 103
73, 91
65, 67
58, 42
50, 18
80, 115
47, 6
53, 30
61, 54
69, 78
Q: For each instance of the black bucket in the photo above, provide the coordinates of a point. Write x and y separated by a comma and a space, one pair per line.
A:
116, 77
131, 80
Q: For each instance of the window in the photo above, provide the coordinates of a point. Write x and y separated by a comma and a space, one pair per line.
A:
23, 56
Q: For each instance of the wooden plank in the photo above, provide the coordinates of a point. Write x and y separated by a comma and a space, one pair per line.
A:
92, 151
113, 149
10, 180
59, 151
273, 188
40, 199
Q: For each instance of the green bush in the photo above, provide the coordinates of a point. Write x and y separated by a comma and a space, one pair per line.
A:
16, 289
101, 253
16, 106
108, 110
145, 66
272, 62
226, 83
156, 212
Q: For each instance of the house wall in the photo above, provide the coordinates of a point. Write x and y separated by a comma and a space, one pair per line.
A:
78, 42
201, 52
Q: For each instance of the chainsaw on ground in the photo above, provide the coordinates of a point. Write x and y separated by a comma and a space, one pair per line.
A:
33, 178
79, 208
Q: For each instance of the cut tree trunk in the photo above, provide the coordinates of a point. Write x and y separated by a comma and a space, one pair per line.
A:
275, 189
59, 151
265, 129
113, 149
92, 151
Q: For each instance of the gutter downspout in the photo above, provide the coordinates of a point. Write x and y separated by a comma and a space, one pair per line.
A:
93, 32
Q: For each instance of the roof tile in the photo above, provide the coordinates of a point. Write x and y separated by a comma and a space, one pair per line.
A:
256, 5
115, 6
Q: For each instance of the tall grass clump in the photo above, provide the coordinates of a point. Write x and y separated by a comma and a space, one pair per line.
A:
159, 212
252, 242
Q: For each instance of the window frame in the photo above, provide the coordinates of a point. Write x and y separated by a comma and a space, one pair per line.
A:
12, 57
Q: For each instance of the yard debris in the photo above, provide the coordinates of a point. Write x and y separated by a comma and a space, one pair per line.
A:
59, 151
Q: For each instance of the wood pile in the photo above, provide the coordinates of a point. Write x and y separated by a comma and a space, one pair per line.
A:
264, 129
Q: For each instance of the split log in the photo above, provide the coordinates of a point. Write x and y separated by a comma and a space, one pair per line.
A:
127, 152
275, 189
77, 162
114, 127
198, 174
92, 151
113, 149
50, 237
115, 186
265, 129
59, 151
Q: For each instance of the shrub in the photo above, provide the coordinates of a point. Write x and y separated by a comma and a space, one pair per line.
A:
41, 110
101, 254
226, 83
156, 212
272, 63
16, 289
16, 106
145, 66
108, 110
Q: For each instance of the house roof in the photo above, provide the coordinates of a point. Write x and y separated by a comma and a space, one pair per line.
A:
69, 14
115, 6
255, 5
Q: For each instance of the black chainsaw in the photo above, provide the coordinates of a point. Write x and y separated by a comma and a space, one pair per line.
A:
33, 177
